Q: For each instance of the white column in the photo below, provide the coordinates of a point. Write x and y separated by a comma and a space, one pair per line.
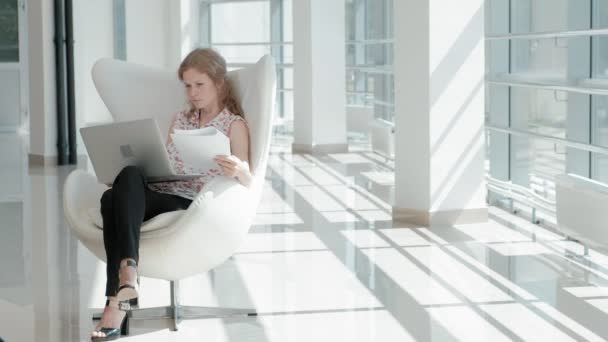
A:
41, 63
319, 76
439, 105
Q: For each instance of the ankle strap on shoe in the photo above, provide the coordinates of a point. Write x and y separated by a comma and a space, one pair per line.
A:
124, 305
120, 305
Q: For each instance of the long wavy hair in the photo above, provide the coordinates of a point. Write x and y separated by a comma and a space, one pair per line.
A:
210, 62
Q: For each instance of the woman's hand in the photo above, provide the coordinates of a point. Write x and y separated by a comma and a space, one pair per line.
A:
232, 166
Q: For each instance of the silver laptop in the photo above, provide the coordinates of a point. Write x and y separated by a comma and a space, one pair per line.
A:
113, 146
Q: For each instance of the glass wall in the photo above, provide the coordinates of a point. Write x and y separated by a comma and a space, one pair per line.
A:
9, 34
547, 91
369, 56
599, 104
269, 31
228, 36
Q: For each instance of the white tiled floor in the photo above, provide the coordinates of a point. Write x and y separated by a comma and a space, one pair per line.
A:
323, 262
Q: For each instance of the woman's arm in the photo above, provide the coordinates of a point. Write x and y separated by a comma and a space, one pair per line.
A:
237, 165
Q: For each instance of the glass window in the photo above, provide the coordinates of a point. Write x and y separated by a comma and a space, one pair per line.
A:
540, 58
535, 163
534, 100
544, 15
600, 43
227, 22
229, 19
369, 56
599, 137
120, 30
9, 31
269, 31
539, 111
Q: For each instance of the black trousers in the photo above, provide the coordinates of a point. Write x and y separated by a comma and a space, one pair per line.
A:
124, 208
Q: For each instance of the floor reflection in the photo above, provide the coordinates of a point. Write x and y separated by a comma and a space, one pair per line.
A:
323, 262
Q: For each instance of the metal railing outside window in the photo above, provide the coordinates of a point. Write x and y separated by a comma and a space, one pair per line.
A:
546, 91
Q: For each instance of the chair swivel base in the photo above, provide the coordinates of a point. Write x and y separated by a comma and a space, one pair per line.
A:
180, 313
177, 312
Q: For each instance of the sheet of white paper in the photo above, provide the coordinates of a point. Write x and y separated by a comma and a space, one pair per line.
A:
198, 149
201, 131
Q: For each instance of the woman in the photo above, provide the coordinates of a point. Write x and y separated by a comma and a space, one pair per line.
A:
131, 200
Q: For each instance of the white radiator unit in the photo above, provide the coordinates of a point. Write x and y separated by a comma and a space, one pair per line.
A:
383, 137
358, 118
582, 210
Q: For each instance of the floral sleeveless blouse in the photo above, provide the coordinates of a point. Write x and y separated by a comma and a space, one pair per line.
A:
190, 188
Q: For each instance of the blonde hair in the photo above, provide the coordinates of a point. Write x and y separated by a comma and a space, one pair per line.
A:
210, 62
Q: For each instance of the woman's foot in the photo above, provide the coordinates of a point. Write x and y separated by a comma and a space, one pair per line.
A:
112, 323
128, 284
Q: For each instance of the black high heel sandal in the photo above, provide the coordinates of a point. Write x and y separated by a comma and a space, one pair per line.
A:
127, 291
115, 333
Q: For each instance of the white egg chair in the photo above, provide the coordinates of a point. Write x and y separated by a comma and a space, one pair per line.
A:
182, 243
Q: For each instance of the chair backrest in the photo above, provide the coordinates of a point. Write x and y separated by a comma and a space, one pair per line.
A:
132, 91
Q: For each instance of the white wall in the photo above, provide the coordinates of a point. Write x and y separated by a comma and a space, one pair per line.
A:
94, 36
43, 125
93, 22
158, 33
